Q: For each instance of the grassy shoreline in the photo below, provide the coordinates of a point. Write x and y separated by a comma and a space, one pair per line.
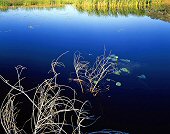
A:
157, 9
32, 6
96, 3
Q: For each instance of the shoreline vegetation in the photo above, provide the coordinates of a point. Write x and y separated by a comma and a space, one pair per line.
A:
155, 9
78, 3
167, 2
92, 7
162, 13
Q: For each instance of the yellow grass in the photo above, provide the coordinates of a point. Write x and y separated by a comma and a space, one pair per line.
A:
167, 1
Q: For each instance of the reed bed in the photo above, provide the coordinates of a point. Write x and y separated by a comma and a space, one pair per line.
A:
117, 7
105, 11
93, 3
96, 7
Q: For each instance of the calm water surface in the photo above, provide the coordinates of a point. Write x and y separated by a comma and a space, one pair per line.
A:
34, 37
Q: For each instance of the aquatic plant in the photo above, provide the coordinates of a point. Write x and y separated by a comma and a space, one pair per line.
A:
92, 78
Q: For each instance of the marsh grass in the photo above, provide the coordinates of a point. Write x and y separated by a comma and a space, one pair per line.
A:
118, 7
92, 7
105, 11
86, 3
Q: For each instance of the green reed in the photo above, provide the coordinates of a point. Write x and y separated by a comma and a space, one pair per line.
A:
98, 3
116, 9
104, 11
96, 7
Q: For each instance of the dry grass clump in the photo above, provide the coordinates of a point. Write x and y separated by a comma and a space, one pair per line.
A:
52, 110
8, 115
91, 78
55, 108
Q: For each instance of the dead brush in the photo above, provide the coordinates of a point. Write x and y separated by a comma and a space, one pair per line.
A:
52, 110
91, 77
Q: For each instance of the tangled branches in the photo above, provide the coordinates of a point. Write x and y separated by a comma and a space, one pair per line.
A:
57, 113
52, 110
55, 108
8, 115
91, 78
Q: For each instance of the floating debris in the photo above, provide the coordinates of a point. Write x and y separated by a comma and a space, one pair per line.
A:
118, 84
125, 60
125, 70
117, 72
142, 76
95, 81
108, 79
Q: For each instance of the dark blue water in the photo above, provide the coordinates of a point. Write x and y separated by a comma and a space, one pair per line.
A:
34, 37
